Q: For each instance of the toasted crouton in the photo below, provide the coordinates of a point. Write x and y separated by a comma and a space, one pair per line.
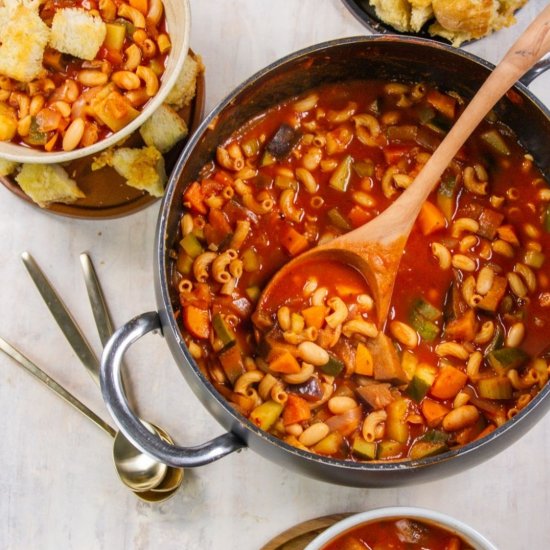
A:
142, 168
185, 87
24, 39
7, 167
47, 183
163, 129
421, 13
78, 33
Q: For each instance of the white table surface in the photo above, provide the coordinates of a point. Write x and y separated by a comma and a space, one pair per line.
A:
58, 487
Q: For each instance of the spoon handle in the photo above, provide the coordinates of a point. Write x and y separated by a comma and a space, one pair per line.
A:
37, 372
524, 53
63, 318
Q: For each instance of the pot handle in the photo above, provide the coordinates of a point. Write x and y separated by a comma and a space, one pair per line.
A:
128, 422
538, 68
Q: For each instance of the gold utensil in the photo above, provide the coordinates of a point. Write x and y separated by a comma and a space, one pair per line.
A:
136, 470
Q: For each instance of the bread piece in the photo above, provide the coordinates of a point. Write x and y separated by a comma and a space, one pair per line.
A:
142, 168
421, 13
7, 167
163, 129
47, 183
396, 13
24, 38
186, 84
469, 17
76, 32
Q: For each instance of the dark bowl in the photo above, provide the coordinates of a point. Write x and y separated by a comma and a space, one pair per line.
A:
407, 59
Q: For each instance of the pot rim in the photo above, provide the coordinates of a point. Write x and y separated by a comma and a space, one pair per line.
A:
162, 242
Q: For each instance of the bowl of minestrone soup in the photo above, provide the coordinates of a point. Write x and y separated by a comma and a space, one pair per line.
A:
400, 528
306, 150
84, 77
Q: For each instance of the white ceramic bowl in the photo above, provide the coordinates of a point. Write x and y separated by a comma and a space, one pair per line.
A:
469, 535
178, 26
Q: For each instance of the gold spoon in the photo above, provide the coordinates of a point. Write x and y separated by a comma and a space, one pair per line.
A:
376, 248
141, 473
127, 472
173, 477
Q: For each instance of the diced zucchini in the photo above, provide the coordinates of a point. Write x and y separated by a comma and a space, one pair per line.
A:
496, 387
231, 360
425, 114
427, 310
446, 195
396, 425
496, 342
333, 367
389, 449
364, 169
434, 436
423, 378
266, 414
191, 245
223, 331
504, 359
340, 178
338, 220
253, 292
250, 147
329, 445
267, 159
424, 449
251, 260
114, 37
496, 142
409, 362
427, 330
406, 132
184, 264
364, 449
36, 136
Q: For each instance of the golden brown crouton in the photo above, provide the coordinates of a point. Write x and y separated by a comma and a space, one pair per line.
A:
76, 32
24, 38
185, 87
163, 129
7, 167
47, 183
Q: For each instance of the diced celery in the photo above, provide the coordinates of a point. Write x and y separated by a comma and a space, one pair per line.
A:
341, 176
396, 425
266, 414
504, 359
494, 139
191, 245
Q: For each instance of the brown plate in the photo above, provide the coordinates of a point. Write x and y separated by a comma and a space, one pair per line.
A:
299, 536
107, 195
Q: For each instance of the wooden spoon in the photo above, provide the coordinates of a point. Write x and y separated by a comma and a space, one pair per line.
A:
376, 248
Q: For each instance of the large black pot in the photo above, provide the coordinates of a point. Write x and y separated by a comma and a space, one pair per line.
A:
393, 58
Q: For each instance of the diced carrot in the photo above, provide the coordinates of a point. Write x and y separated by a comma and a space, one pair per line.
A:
431, 219
463, 328
223, 177
357, 216
232, 362
193, 198
196, 321
114, 56
296, 410
444, 103
392, 153
140, 5
448, 382
285, 363
433, 412
218, 221
294, 242
363, 361
486, 431
243, 402
314, 316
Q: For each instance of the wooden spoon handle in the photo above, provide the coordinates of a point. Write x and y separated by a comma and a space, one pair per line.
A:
525, 52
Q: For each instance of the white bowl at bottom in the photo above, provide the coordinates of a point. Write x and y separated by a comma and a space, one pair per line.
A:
450, 524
